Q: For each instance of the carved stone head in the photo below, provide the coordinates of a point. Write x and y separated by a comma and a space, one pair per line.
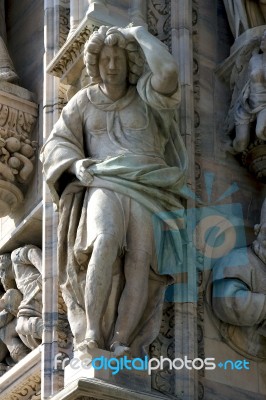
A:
103, 38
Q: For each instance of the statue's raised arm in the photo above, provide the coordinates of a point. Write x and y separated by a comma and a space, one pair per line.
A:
115, 164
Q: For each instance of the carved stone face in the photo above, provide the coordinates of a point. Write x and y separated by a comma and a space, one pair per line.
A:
113, 65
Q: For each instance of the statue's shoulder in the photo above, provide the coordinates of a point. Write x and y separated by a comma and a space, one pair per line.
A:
81, 95
78, 102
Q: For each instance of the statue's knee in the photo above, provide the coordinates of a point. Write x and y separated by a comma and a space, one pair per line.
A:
20, 327
106, 241
30, 326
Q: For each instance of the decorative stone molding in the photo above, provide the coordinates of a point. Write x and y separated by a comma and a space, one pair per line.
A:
163, 381
17, 119
254, 159
64, 24
95, 389
158, 17
23, 380
68, 63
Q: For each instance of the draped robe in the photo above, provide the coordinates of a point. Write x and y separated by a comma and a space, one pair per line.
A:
147, 161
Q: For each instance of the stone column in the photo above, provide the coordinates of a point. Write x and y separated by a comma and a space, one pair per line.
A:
50, 380
78, 10
186, 295
138, 12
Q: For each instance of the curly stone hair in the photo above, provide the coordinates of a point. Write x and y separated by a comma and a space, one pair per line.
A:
100, 38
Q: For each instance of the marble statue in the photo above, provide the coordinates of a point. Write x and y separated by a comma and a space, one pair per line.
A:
7, 70
245, 14
114, 163
12, 349
249, 97
23, 267
239, 295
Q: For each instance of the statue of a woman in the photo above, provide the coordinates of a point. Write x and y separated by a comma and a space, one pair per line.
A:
115, 163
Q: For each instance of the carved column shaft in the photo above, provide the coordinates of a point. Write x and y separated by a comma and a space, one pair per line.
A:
138, 12
77, 12
50, 381
185, 306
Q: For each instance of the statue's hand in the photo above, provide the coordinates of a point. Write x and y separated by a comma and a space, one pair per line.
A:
80, 169
128, 33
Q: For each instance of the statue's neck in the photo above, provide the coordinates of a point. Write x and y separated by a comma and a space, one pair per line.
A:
113, 92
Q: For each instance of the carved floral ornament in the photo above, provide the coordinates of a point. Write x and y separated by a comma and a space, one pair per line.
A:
17, 119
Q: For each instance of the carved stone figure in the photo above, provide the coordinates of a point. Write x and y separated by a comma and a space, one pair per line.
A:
24, 268
12, 348
115, 163
7, 70
249, 97
245, 14
239, 295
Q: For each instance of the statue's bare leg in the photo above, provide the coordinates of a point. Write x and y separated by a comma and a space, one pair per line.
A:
261, 125
133, 301
242, 138
136, 270
98, 286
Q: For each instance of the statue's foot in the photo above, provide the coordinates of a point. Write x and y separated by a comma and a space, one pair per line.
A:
91, 344
88, 343
120, 350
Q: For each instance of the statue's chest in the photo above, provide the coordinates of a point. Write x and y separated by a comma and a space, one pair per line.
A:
133, 117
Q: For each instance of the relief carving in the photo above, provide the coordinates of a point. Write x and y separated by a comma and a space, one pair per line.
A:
246, 119
105, 260
159, 19
27, 390
239, 295
164, 345
245, 14
22, 270
17, 119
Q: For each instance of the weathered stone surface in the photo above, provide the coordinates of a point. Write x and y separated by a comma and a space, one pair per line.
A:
239, 295
94, 389
117, 310
246, 14
22, 271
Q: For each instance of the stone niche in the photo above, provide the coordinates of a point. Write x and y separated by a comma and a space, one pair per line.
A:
208, 56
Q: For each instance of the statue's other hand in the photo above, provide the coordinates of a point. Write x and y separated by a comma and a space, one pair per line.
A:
81, 171
128, 32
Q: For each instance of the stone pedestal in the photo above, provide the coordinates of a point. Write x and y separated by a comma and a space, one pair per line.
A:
107, 368
24, 379
96, 389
